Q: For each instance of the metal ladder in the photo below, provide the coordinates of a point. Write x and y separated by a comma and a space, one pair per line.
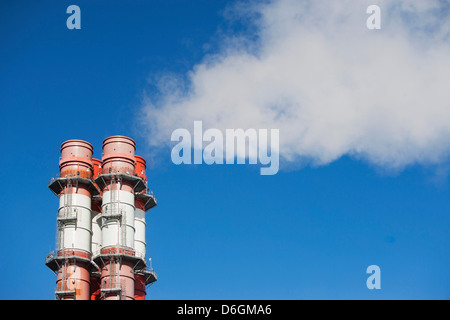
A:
113, 286
64, 290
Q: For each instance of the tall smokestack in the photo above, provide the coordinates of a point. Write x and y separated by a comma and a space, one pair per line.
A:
74, 187
117, 256
143, 202
101, 248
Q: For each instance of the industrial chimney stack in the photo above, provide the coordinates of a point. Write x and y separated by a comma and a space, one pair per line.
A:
101, 247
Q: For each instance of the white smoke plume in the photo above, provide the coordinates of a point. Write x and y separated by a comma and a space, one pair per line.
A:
333, 87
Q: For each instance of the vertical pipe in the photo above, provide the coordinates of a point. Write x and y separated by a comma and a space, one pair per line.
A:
140, 224
96, 212
139, 213
96, 242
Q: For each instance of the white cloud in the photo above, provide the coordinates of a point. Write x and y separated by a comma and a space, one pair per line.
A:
329, 84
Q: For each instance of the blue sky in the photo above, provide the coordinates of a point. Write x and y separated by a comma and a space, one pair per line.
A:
220, 231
